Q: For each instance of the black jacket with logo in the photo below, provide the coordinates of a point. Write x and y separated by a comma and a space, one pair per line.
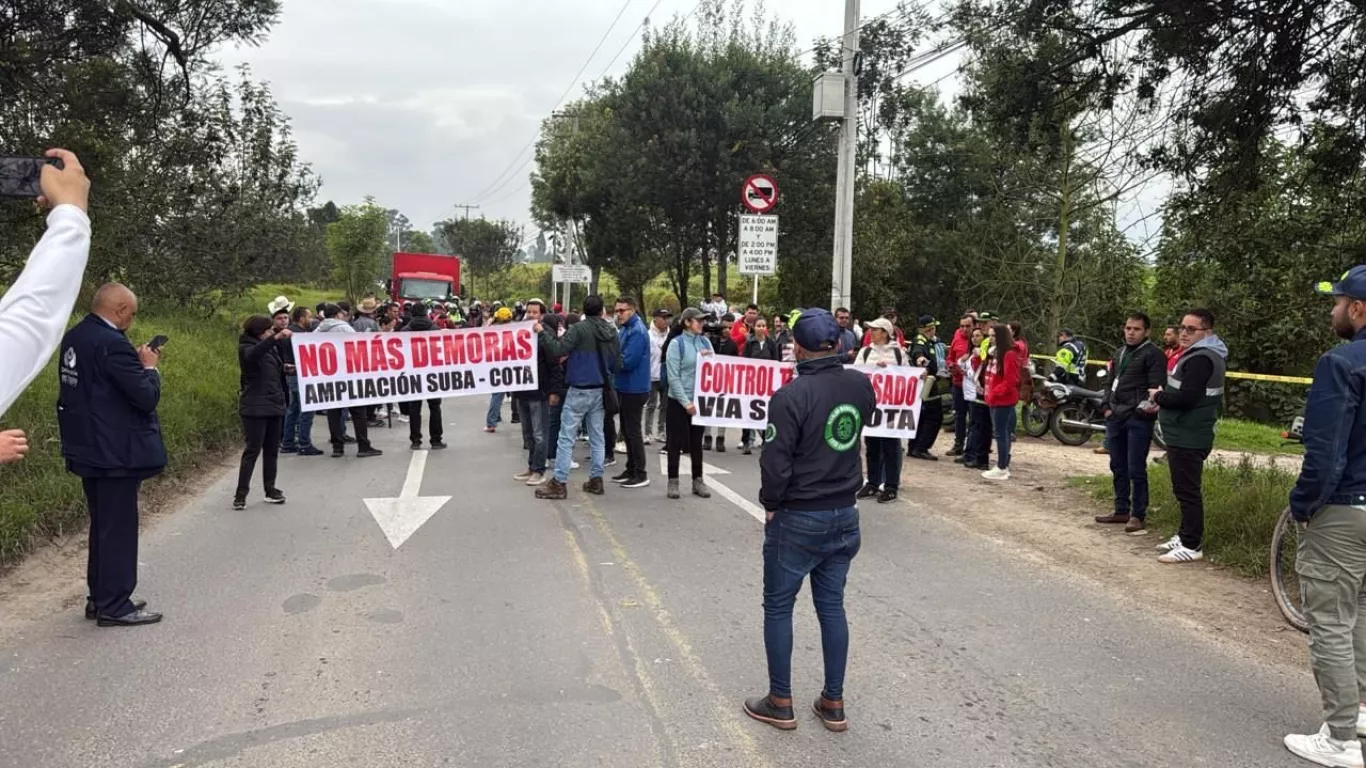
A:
811, 458
1136, 370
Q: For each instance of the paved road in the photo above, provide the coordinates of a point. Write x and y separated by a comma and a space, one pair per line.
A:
608, 631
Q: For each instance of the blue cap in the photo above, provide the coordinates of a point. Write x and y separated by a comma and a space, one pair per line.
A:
816, 330
1352, 283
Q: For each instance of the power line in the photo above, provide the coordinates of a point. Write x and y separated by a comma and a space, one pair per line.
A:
496, 181
632, 36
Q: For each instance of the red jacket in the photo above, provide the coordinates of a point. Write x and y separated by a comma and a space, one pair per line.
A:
739, 333
1172, 356
1003, 386
957, 348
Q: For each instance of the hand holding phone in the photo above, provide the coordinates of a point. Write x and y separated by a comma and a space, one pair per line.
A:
157, 343
63, 181
22, 176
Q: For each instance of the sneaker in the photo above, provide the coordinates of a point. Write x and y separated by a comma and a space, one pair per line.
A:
416, 445
381, 412
1323, 749
437, 445
574, 465
996, 474
366, 453
594, 486
663, 450
720, 445
289, 449
763, 709
623, 477
886, 496
868, 491
522, 477
275, 497
699, 488
611, 462
649, 439
309, 450
1179, 554
348, 439
403, 418
746, 450
673, 488
1361, 721
636, 482
337, 453
536, 479
552, 489
1169, 544
490, 430
376, 423
239, 503
706, 443
924, 456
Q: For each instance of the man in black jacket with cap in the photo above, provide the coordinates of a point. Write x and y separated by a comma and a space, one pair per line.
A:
811, 468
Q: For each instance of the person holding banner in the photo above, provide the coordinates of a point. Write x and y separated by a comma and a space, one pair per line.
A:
419, 323
681, 359
334, 321
811, 471
1003, 392
759, 346
884, 453
594, 356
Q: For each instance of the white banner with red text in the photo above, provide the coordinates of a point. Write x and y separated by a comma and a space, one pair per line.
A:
345, 370
734, 392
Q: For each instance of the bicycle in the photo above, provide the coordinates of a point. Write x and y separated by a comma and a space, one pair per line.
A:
1285, 583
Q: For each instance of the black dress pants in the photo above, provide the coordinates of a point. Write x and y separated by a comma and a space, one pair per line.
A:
262, 435
434, 425
111, 568
682, 436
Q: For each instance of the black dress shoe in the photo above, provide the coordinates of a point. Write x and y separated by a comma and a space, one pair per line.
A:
437, 445
886, 496
135, 619
366, 453
416, 445
868, 491
348, 439
90, 607
763, 709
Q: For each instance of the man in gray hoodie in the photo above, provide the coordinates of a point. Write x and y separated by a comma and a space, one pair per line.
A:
334, 321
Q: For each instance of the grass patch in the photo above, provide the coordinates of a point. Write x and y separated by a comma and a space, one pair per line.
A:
1249, 436
198, 413
1242, 503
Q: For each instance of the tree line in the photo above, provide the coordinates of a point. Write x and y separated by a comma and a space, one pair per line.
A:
1244, 121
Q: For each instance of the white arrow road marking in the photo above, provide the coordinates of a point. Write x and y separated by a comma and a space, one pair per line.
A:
709, 471
401, 517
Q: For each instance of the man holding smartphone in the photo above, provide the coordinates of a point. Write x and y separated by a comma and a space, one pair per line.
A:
34, 311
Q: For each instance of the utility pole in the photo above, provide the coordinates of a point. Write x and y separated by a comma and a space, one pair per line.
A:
467, 209
842, 268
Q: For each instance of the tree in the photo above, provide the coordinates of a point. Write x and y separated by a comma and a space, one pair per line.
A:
416, 241
357, 244
485, 247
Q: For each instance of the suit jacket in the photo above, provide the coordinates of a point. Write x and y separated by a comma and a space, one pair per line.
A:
106, 407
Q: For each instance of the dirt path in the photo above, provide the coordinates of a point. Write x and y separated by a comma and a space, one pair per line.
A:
1036, 515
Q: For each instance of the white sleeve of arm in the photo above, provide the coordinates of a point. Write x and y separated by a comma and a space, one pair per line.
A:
35, 310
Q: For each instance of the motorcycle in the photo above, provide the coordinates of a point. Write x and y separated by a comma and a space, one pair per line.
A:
1079, 412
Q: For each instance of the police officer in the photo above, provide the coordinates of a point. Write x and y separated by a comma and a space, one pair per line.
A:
1327, 501
811, 470
111, 439
926, 352
1070, 360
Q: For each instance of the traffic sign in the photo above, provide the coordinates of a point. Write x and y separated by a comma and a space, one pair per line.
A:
760, 193
758, 245
572, 273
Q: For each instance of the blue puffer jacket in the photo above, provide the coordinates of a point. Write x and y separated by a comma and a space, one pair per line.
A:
634, 376
1334, 468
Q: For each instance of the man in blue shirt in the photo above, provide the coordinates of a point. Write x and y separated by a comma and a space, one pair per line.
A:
1329, 502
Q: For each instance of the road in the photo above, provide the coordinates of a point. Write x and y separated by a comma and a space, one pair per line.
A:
621, 630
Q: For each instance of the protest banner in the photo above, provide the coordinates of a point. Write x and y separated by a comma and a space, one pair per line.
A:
345, 370
734, 392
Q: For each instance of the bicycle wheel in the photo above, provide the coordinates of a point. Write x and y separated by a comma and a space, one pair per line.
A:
1285, 583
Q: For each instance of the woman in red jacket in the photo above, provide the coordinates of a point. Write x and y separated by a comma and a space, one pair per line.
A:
1003, 392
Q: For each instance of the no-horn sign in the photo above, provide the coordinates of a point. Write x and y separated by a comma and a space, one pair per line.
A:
760, 193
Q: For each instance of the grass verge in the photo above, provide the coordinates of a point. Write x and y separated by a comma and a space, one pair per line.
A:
1242, 503
198, 412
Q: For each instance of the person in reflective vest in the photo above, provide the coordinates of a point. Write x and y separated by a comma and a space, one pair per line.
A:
1070, 361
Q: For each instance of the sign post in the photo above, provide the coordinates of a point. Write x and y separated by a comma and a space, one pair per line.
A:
758, 246
759, 193
572, 273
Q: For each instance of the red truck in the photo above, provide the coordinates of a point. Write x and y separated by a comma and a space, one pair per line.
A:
425, 276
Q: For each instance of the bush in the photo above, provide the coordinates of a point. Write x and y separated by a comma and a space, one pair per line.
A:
1242, 503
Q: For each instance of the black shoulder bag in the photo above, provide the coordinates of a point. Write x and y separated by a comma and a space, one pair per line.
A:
611, 404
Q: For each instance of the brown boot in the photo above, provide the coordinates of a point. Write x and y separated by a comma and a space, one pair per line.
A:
1112, 519
552, 489
1135, 525
593, 486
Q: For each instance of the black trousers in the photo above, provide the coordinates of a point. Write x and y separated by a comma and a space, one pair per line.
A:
632, 429
931, 424
262, 434
978, 450
434, 425
1187, 466
111, 567
336, 429
609, 433
682, 436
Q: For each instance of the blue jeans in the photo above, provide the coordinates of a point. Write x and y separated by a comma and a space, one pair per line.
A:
1129, 443
552, 428
978, 450
495, 409
884, 462
533, 413
581, 406
298, 422
797, 543
1002, 423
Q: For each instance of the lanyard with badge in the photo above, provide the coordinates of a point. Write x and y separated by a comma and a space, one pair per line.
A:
1124, 358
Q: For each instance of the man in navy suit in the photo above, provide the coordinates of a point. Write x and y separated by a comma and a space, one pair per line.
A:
111, 439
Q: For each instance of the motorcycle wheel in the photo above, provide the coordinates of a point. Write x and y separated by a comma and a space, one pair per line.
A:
1068, 435
1035, 419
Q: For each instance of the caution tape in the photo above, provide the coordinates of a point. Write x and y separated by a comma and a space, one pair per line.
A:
1228, 374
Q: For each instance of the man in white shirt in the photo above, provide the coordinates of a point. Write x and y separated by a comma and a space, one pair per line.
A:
34, 311
659, 396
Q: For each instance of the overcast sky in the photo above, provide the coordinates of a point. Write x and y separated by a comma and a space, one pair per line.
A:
424, 103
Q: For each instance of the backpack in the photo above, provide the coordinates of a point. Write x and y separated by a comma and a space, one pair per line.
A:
863, 353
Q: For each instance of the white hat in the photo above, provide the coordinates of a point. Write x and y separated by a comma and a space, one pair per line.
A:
882, 324
280, 304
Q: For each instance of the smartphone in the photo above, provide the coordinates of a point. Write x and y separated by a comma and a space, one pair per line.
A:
157, 343
20, 176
